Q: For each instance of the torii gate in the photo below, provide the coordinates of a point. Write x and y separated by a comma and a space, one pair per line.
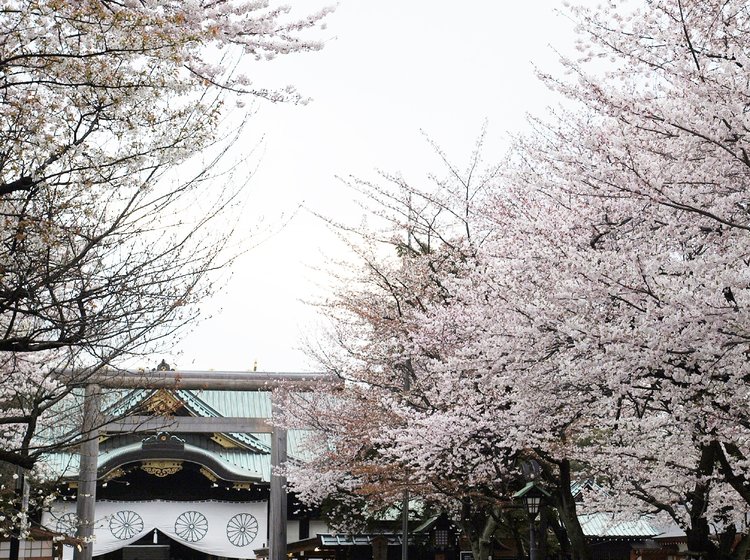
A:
164, 378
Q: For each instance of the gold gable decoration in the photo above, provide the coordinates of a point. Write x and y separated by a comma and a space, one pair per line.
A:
208, 474
161, 468
224, 441
163, 402
114, 473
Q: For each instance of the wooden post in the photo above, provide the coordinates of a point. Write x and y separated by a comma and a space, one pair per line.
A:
380, 548
89, 453
277, 500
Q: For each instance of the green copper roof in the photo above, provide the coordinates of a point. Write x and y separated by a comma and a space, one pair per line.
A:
610, 526
230, 403
251, 458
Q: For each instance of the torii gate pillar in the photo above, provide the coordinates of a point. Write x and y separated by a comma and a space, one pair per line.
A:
89, 454
278, 500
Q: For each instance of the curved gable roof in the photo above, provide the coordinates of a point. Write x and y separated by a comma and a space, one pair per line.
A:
214, 462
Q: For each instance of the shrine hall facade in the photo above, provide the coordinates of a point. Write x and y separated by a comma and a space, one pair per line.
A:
180, 496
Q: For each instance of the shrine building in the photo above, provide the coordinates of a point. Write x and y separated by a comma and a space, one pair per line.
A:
180, 496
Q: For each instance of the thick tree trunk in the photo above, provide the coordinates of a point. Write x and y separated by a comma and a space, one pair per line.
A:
700, 545
562, 537
726, 542
481, 548
541, 534
479, 527
565, 504
741, 549
579, 547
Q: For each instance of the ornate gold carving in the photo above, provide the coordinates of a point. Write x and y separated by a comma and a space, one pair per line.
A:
241, 485
163, 402
208, 474
223, 441
161, 468
114, 473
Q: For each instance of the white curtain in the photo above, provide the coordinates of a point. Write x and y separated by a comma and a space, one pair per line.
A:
230, 529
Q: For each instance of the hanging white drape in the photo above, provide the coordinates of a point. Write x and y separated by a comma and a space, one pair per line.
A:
229, 529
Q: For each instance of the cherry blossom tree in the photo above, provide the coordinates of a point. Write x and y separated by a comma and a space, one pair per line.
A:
602, 317
119, 207
617, 308
649, 157
420, 245
601, 320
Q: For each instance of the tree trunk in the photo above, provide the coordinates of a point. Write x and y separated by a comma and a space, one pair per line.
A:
726, 542
562, 537
479, 527
700, 545
541, 535
564, 502
741, 549
481, 548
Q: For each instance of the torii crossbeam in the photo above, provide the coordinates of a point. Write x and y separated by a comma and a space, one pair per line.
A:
168, 379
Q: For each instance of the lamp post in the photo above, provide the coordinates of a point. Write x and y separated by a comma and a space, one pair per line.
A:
533, 496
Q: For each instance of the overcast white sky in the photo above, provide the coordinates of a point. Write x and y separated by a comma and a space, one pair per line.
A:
390, 69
